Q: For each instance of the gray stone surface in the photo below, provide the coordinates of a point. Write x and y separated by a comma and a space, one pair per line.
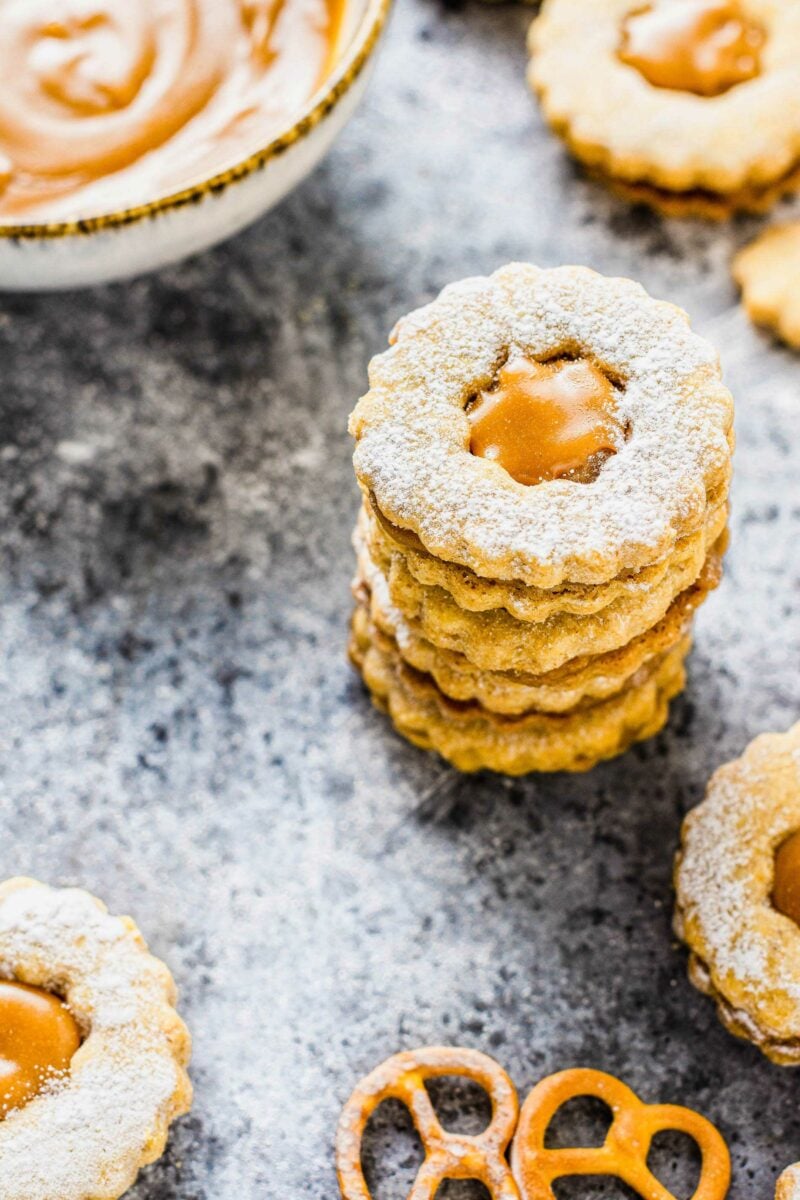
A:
181, 732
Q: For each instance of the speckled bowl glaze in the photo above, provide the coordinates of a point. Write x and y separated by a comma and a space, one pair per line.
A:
98, 248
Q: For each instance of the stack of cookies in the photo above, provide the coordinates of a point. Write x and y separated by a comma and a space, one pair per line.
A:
544, 458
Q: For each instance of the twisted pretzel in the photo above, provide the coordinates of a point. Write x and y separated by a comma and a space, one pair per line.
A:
447, 1155
624, 1152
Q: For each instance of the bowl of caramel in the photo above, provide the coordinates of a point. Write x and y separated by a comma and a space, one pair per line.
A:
136, 132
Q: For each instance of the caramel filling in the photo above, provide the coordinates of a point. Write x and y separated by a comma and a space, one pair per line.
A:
786, 885
38, 1037
105, 104
550, 420
700, 46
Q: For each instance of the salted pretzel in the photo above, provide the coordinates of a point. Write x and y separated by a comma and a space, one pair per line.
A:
624, 1152
447, 1155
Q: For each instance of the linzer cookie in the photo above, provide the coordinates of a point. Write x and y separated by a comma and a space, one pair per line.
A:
738, 895
768, 272
689, 106
545, 461
93, 1052
590, 677
471, 737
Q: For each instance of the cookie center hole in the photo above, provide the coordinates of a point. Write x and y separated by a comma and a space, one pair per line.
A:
391, 1152
582, 1121
547, 420
786, 883
675, 1160
701, 46
38, 1037
461, 1105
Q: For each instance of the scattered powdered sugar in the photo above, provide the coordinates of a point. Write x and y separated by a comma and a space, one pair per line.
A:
86, 1136
413, 435
724, 881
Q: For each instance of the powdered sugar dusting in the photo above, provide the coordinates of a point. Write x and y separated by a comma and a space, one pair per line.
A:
748, 137
86, 1138
724, 882
413, 435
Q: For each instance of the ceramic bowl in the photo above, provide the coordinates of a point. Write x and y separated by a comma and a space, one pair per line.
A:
116, 245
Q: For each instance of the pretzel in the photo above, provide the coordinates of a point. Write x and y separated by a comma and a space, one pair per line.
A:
447, 1155
624, 1152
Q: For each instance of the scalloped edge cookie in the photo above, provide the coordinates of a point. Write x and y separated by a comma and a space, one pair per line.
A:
582, 679
740, 145
495, 641
743, 952
670, 575
413, 435
88, 1138
471, 738
768, 273
703, 205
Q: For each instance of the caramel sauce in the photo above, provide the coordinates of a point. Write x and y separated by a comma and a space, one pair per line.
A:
38, 1037
700, 46
547, 420
105, 104
786, 885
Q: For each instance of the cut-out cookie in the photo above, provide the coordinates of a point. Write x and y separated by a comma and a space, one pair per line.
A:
687, 105
768, 272
413, 433
734, 905
472, 737
545, 458
85, 1134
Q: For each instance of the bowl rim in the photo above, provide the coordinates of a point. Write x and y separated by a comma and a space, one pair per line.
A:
324, 100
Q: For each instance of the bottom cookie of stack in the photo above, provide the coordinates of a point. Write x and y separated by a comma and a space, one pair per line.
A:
706, 205
471, 737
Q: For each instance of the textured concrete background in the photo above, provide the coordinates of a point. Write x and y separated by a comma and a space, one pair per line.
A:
182, 735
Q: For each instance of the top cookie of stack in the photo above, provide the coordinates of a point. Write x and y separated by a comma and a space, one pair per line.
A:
545, 458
